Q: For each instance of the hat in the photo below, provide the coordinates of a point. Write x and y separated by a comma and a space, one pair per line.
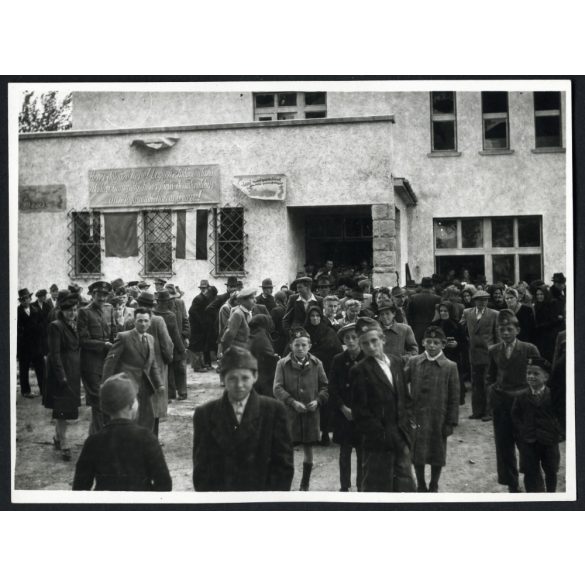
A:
323, 281
116, 393
133, 283
349, 327
160, 281
239, 284
23, 293
539, 363
145, 299
117, 283
364, 284
426, 282
303, 280
121, 291
480, 294
507, 317
74, 288
366, 324
62, 295
100, 286
434, 332
203, 284
232, 281
559, 277
143, 285
297, 333
71, 300
397, 292
41, 293
235, 358
172, 291
267, 283
386, 306
163, 296
53, 288
246, 292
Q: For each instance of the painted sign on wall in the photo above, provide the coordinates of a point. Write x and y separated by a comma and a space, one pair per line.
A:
267, 187
41, 197
148, 186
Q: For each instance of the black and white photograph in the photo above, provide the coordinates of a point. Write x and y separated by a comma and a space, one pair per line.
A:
292, 291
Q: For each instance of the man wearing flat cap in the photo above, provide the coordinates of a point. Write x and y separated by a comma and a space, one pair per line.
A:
237, 331
96, 330
265, 297
29, 344
382, 413
480, 323
299, 303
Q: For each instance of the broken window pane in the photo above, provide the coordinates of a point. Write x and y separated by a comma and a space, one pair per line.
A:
287, 99
472, 233
547, 100
528, 231
494, 102
315, 98
548, 131
445, 233
503, 232
443, 135
530, 266
503, 268
443, 102
264, 100
495, 133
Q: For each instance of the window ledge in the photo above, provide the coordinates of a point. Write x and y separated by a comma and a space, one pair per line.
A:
496, 152
443, 153
548, 149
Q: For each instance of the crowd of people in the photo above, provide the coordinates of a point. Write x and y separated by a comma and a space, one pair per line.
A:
380, 371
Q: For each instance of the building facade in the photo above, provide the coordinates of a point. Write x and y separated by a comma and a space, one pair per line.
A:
196, 185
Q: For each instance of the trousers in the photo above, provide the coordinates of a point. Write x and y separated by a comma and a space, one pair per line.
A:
479, 398
506, 460
387, 471
345, 450
177, 379
24, 364
537, 458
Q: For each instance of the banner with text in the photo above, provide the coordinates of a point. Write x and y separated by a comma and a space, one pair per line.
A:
267, 187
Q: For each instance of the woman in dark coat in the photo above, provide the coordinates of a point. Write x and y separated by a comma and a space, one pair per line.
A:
197, 323
209, 320
524, 314
456, 341
260, 346
63, 387
325, 345
549, 321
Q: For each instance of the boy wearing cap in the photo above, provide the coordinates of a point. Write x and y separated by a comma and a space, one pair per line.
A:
29, 347
382, 413
538, 429
399, 338
506, 379
241, 441
301, 383
122, 456
344, 432
434, 386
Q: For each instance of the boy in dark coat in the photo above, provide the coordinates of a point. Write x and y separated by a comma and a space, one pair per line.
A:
241, 441
538, 429
122, 456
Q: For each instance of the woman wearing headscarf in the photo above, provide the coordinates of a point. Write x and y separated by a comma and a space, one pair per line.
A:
260, 346
63, 387
549, 321
456, 343
325, 345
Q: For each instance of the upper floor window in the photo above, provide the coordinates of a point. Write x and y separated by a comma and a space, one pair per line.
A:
494, 109
547, 119
443, 121
290, 105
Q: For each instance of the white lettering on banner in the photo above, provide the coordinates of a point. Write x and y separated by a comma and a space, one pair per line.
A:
267, 187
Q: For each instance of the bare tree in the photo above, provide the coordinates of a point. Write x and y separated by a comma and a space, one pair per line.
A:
44, 112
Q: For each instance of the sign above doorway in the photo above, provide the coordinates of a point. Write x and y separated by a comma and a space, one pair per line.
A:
267, 187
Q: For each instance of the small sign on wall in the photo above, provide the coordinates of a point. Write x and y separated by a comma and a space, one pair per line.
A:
267, 187
42, 198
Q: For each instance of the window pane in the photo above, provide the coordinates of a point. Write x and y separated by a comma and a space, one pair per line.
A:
315, 98
496, 133
528, 231
493, 102
287, 99
548, 131
264, 100
503, 232
443, 135
472, 233
443, 102
547, 100
315, 115
286, 116
446, 233
264, 118
530, 267
503, 268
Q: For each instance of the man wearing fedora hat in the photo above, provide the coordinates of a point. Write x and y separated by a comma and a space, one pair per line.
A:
44, 309
480, 323
265, 297
29, 343
559, 288
299, 303
96, 330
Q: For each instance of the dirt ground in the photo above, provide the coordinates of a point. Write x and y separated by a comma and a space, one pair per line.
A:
471, 465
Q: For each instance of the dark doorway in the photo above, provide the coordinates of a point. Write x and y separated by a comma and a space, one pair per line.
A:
474, 264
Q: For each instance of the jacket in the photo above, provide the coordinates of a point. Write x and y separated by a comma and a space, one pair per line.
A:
535, 420
295, 313
95, 328
509, 375
400, 340
29, 336
482, 334
421, 311
237, 331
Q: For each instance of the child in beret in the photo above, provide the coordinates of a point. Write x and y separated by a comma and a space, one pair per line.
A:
122, 456
301, 383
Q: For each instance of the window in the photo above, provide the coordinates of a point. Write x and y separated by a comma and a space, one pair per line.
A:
547, 119
230, 240
494, 107
443, 121
506, 249
290, 105
86, 257
158, 242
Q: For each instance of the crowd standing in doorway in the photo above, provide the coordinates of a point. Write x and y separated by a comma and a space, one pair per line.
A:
384, 370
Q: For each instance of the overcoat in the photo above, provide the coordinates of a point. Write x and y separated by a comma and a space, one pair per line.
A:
295, 313
197, 323
129, 355
44, 310
29, 332
482, 334
399, 340
253, 455
509, 374
63, 383
260, 346
421, 311
434, 386
237, 331
535, 419
303, 384
279, 335
173, 330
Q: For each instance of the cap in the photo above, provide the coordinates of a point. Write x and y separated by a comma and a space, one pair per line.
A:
100, 286
480, 294
143, 284
267, 283
161, 281
349, 327
246, 292
116, 393
297, 333
24, 293
434, 332
204, 284
303, 280
74, 288
41, 292
133, 283
366, 324
71, 300
145, 299
386, 306
238, 358
364, 284
539, 362
397, 292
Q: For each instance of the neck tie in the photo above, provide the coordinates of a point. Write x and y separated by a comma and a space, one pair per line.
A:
509, 349
145, 345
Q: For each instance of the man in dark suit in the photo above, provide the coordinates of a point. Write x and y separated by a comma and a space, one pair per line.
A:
96, 330
299, 304
44, 309
421, 309
29, 342
241, 441
54, 292
382, 413
265, 297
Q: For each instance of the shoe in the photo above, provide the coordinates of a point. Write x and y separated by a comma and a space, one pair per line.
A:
422, 489
344, 490
182, 397
433, 488
514, 489
29, 395
486, 418
66, 454
475, 416
305, 480
56, 444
